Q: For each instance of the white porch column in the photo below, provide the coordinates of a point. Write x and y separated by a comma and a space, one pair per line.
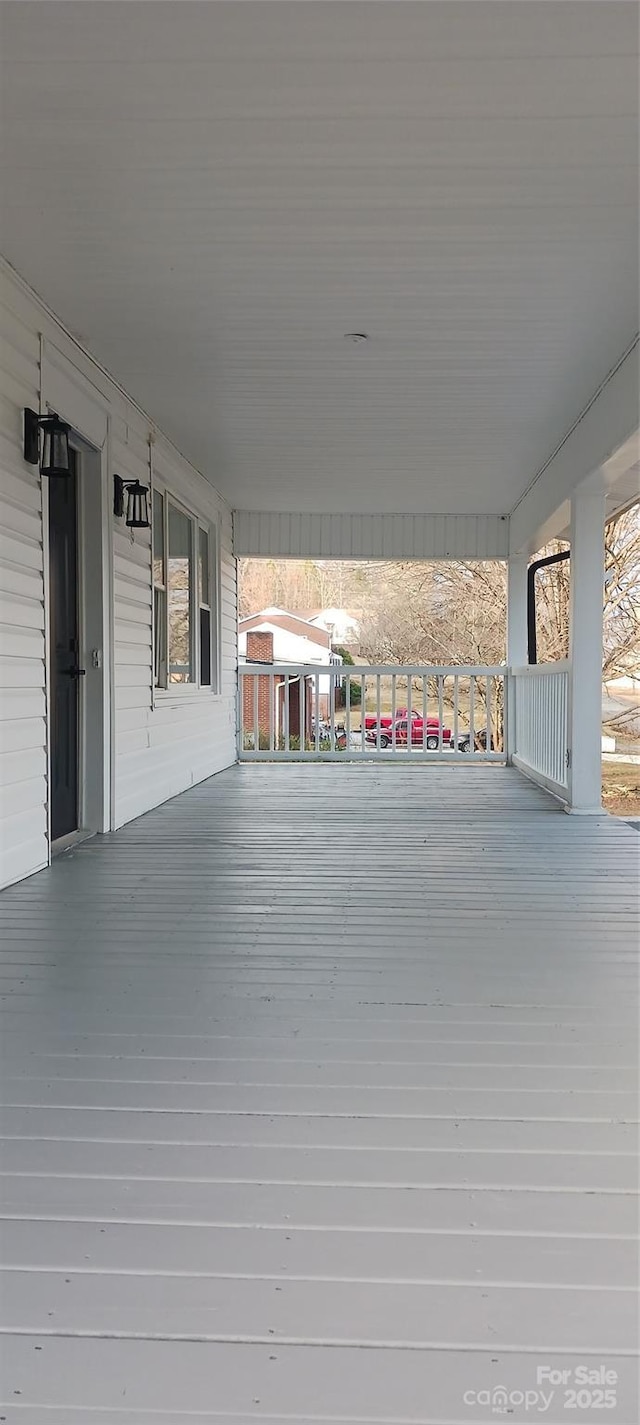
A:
517, 567
517, 650
585, 651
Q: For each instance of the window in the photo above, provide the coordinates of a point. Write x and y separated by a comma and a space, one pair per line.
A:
159, 593
204, 601
180, 596
184, 604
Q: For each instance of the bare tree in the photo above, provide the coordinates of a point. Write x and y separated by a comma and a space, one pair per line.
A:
622, 595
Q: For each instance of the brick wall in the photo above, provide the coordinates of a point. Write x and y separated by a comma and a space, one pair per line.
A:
270, 696
259, 650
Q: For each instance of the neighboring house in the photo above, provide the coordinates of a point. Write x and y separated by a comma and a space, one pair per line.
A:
296, 639
275, 636
342, 625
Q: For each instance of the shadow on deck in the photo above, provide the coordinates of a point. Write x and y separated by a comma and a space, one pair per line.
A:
319, 1088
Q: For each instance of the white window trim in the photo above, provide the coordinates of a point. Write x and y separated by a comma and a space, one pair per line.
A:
179, 693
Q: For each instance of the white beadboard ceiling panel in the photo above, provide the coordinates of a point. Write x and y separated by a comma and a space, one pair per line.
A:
374, 536
211, 196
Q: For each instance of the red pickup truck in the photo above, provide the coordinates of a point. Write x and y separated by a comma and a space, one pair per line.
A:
422, 734
371, 721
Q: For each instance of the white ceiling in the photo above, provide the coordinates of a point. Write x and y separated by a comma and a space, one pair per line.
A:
211, 195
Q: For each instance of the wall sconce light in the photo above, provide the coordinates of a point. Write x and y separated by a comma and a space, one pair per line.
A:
55, 443
137, 515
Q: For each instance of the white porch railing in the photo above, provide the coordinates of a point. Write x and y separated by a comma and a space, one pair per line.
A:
370, 713
539, 724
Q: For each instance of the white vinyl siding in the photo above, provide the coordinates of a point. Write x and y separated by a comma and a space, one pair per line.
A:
167, 739
335, 536
161, 744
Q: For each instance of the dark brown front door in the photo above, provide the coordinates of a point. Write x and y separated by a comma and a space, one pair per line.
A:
64, 642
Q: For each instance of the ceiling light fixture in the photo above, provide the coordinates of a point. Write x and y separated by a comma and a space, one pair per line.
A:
356, 337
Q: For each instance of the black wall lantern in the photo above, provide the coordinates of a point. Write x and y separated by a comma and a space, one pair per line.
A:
137, 516
55, 443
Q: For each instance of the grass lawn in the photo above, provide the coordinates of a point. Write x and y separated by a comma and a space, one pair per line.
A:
621, 788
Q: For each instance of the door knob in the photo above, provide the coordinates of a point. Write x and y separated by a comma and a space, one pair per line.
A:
75, 672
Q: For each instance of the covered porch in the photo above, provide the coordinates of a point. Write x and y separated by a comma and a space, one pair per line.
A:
318, 282
319, 1089
318, 1077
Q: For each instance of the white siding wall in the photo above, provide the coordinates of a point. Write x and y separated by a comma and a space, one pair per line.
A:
161, 744
167, 741
356, 536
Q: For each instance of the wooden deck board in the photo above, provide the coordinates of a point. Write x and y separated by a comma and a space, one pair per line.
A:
319, 1104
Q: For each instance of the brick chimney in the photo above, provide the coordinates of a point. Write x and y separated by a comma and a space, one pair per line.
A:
259, 647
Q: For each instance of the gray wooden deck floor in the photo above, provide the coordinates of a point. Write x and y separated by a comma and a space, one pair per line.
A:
319, 1088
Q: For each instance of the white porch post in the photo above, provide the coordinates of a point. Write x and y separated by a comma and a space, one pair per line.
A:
517, 650
585, 651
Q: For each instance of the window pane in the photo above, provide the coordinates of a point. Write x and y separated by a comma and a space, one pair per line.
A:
180, 579
205, 648
203, 567
160, 637
158, 538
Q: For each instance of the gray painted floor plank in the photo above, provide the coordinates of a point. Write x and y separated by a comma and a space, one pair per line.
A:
250, 1251
320, 1090
284, 1383
317, 1312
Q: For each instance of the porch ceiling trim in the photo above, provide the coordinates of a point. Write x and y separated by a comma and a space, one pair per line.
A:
272, 535
604, 438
